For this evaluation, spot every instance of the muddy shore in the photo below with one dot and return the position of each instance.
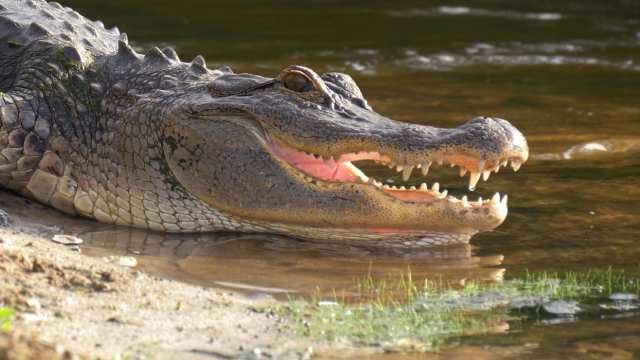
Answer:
(101, 308)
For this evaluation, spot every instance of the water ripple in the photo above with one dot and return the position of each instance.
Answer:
(463, 10)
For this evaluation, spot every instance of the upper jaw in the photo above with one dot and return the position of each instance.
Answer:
(478, 147)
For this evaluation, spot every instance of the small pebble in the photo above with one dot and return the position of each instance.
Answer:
(67, 240)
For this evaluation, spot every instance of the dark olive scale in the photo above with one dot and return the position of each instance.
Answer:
(296, 82)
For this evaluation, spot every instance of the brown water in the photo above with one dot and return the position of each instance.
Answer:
(567, 74)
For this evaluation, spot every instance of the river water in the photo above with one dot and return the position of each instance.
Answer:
(566, 73)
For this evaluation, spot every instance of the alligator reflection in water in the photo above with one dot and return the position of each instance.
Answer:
(257, 263)
(267, 263)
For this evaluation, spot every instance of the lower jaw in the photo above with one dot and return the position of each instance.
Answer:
(379, 237)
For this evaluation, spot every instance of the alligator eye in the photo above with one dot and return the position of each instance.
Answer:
(295, 82)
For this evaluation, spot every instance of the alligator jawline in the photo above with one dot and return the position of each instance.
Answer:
(340, 169)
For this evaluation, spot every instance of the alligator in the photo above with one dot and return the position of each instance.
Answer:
(94, 129)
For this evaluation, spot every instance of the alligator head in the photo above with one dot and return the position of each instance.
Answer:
(156, 143)
(282, 151)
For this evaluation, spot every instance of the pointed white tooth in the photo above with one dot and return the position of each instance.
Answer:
(406, 172)
(394, 188)
(392, 164)
(402, 188)
(473, 180)
(444, 193)
(495, 199)
(497, 169)
(479, 200)
(481, 163)
(504, 200)
(452, 164)
(371, 181)
(326, 159)
(419, 166)
(425, 168)
(358, 180)
(386, 186)
(464, 200)
(399, 168)
(338, 157)
(485, 174)
(516, 164)
(412, 188)
(462, 172)
(496, 164)
(440, 161)
(423, 187)
(435, 187)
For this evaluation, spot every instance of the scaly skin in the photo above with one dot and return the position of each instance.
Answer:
(94, 129)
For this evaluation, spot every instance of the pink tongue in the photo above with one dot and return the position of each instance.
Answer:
(330, 171)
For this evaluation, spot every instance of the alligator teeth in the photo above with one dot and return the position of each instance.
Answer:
(371, 181)
(359, 179)
(481, 163)
(495, 199)
(439, 161)
(496, 164)
(464, 200)
(326, 159)
(480, 200)
(412, 188)
(406, 172)
(452, 164)
(425, 168)
(386, 186)
(504, 200)
(392, 164)
(337, 158)
(444, 193)
(435, 187)
(418, 166)
(515, 164)
(473, 180)
(399, 168)
(423, 187)
(463, 171)
(485, 174)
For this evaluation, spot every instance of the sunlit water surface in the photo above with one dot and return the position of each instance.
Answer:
(567, 74)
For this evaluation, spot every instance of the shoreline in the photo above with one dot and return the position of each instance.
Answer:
(105, 309)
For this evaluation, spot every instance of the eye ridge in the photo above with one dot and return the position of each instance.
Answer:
(296, 82)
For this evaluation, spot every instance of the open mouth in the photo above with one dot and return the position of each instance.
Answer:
(340, 169)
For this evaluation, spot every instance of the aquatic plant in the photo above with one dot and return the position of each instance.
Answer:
(403, 314)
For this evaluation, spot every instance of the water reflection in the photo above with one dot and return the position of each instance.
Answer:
(276, 264)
